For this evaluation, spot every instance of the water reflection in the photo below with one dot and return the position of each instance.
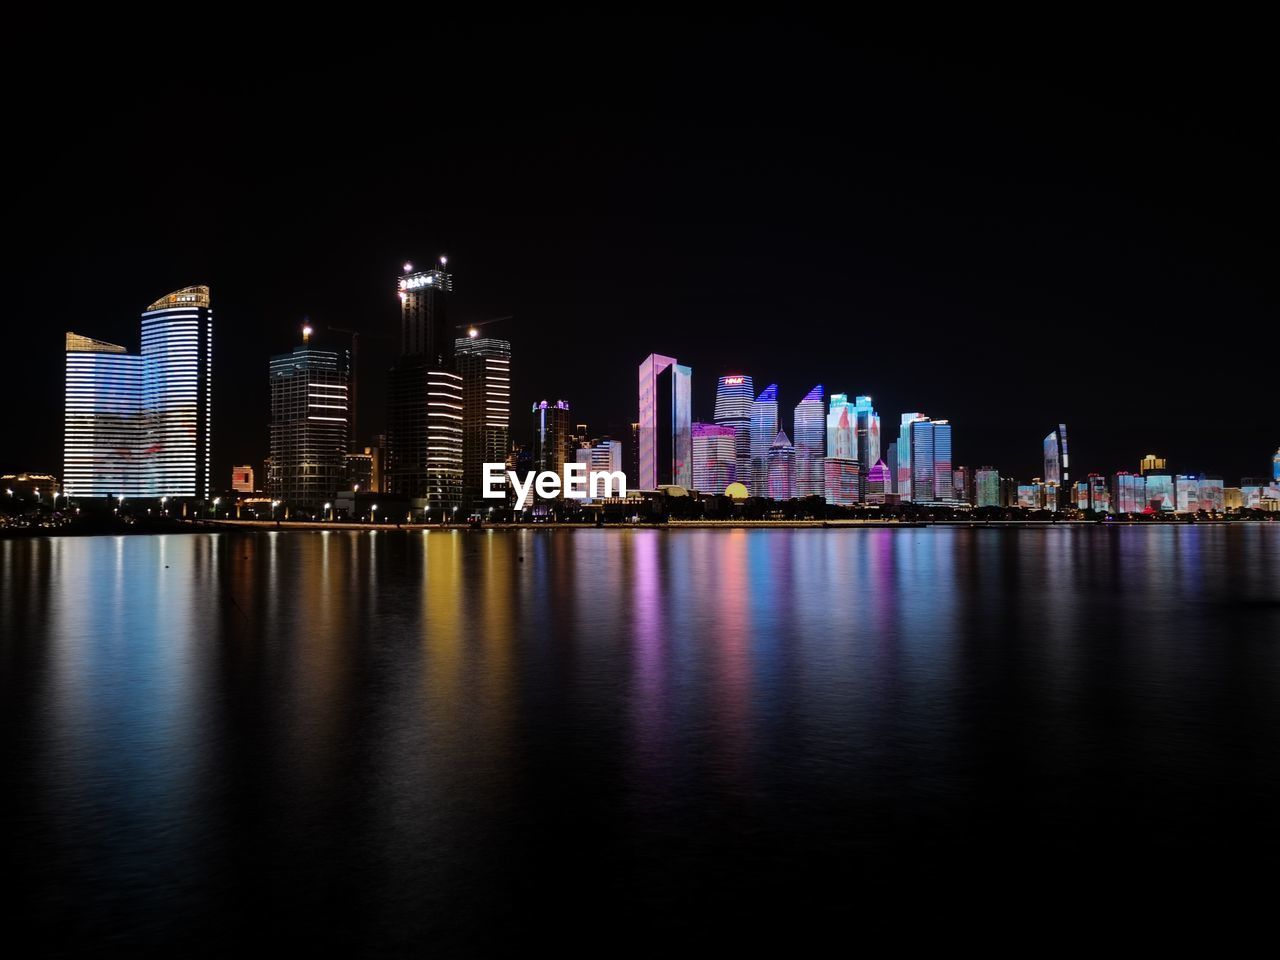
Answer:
(402, 733)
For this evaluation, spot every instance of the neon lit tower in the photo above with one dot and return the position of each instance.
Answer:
(177, 360)
(810, 444)
(840, 469)
(781, 468)
(734, 394)
(102, 433)
(764, 430)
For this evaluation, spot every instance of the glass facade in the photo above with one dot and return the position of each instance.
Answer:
(1160, 493)
(810, 444)
(734, 394)
(666, 443)
(904, 454)
(764, 430)
(1128, 493)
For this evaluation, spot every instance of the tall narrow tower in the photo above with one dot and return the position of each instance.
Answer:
(424, 417)
(485, 366)
(177, 360)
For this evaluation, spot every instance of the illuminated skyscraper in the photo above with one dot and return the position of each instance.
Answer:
(715, 463)
(734, 394)
(764, 430)
(309, 429)
(781, 467)
(1128, 493)
(1056, 461)
(931, 471)
(1275, 467)
(666, 447)
(242, 479)
(102, 433)
(143, 423)
(868, 434)
(425, 408)
(484, 363)
(904, 454)
(552, 436)
(177, 357)
(840, 469)
(987, 487)
(810, 444)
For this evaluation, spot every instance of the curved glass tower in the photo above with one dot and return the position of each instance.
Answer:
(140, 425)
(177, 354)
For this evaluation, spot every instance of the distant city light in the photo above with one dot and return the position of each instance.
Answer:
(408, 267)
(473, 332)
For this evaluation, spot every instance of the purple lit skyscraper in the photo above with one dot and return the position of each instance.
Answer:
(810, 444)
(666, 451)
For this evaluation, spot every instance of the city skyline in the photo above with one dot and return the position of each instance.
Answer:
(870, 254)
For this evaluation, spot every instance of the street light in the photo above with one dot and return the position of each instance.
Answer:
(373, 517)
(163, 501)
(216, 501)
(326, 509)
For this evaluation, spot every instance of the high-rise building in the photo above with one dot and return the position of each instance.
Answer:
(810, 444)
(764, 431)
(425, 409)
(1212, 494)
(1275, 467)
(1056, 463)
(904, 454)
(242, 479)
(1128, 493)
(357, 473)
(666, 417)
(1151, 464)
(987, 487)
(142, 425)
(309, 425)
(868, 434)
(715, 457)
(102, 433)
(891, 461)
(932, 479)
(840, 469)
(734, 394)
(781, 467)
(552, 437)
(962, 483)
(1008, 492)
(177, 386)
(484, 363)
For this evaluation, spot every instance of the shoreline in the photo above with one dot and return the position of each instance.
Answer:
(214, 526)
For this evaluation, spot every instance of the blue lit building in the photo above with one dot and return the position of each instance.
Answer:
(764, 430)
(841, 468)
(142, 425)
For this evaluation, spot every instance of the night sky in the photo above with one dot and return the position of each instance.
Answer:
(1011, 235)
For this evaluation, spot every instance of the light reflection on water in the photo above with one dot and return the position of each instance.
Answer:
(369, 736)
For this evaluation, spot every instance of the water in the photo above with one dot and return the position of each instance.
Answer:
(372, 741)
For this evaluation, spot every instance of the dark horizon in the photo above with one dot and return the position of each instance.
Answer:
(948, 230)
